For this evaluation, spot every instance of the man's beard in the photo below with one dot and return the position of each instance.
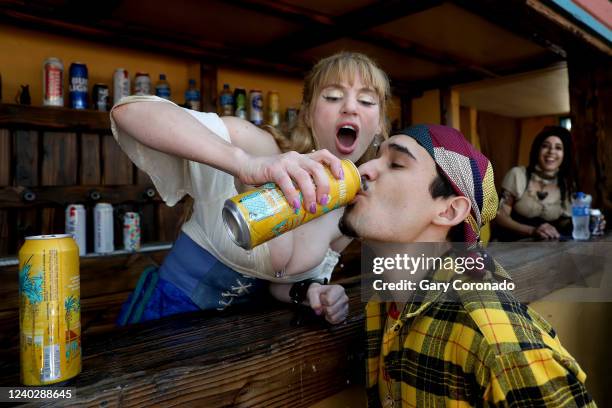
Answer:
(344, 226)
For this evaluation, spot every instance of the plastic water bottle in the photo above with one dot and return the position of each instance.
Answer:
(162, 88)
(192, 96)
(580, 216)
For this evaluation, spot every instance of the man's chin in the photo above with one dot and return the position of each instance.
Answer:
(345, 225)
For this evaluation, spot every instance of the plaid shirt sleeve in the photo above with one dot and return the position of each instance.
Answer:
(537, 377)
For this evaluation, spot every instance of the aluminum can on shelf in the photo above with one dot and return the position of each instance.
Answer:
(241, 103)
(49, 309)
(256, 107)
(78, 85)
(131, 231)
(257, 216)
(273, 109)
(100, 97)
(103, 228)
(76, 225)
(121, 85)
(53, 82)
(142, 84)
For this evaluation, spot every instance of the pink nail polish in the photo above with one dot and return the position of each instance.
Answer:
(325, 199)
(341, 174)
(313, 208)
(296, 204)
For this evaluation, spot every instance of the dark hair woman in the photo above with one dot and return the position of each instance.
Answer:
(535, 200)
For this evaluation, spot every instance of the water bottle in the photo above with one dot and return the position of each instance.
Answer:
(580, 216)
(192, 96)
(162, 88)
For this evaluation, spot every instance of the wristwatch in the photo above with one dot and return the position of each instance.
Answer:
(300, 289)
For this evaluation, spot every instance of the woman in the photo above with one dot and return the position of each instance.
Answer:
(535, 201)
(211, 159)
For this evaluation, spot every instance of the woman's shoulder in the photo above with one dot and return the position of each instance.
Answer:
(515, 180)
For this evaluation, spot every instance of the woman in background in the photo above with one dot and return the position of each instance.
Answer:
(535, 200)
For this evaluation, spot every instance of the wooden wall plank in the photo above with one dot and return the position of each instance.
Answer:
(59, 167)
(118, 168)
(5, 180)
(89, 173)
(148, 231)
(499, 136)
(26, 162)
(169, 221)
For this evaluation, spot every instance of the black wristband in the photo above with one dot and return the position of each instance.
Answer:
(300, 289)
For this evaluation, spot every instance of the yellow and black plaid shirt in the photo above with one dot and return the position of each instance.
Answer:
(475, 348)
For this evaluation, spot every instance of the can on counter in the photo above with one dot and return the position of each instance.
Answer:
(241, 103)
(121, 85)
(100, 97)
(76, 226)
(257, 216)
(597, 221)
(291, 118)
(53, 82)
(142, 84)
(131, 231)
(49, 309)
(256, 107)
(78, 85)
(273, 109)
(103, 228)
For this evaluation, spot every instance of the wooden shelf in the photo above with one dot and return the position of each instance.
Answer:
(53, 118)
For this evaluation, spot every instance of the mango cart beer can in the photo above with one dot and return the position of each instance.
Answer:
(131, 231)
(273, 109)
(49, 309)
(76, 225)
(103, 228)
(257, 216)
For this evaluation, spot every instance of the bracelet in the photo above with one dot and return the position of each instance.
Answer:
(300, 289)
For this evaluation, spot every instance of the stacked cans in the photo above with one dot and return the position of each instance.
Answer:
(103, 228)
(76, 225)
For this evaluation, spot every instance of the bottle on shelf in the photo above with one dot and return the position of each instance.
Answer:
(226, 100)
(162, 87)
(192, 96)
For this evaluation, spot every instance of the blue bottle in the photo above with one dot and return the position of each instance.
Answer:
(162, 88)
(192, 96)
(581, 204)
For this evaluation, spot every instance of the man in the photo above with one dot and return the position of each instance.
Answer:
(429, 184)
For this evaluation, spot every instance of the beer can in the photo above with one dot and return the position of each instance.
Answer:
(256, 107)
(121, 85)
(49, 309)
(596, 222)
(241, 103)
(100, 97)
(76, 225)
(78, 85)
(53, 82)
(142, 84)
(257, 216)
(291, 118)
(103, 228)
(273, 109)
(131, 231)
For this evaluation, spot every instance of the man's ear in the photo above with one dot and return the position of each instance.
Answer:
(454, 211)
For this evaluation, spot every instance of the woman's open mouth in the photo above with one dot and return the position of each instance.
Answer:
(346, 138)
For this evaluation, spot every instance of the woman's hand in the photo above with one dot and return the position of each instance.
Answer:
(306, 170)
(328, 300)
(546, 231)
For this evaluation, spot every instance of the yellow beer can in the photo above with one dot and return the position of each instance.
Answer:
(49, 309)
(257, 216)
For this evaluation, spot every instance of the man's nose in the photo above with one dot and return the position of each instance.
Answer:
(368, 172)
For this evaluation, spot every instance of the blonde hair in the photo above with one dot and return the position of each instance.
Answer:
(331, 70)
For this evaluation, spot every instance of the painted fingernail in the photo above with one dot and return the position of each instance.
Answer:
(296, 204)
(341, 174)
(318, 312)
(313, 208)
(325, 199)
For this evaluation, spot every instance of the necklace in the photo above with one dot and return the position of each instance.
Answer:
(543, 181)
